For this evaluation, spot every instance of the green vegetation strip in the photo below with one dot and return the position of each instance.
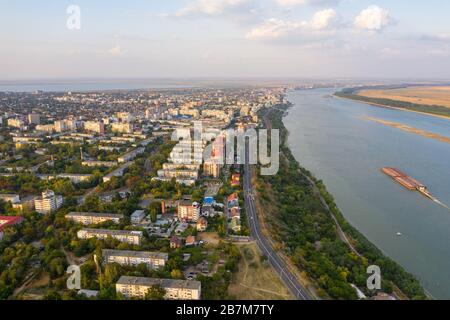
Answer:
(306, 228)
(436, 110)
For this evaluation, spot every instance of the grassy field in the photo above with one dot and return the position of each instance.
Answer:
(256, 280)
(433, 95)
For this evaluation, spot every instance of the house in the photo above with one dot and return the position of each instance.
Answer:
(235, 212)
(137, 216)
(6, 221)
(208, 211)
(153, 260)
(235, 180)
(175, 289)
(202, 224)
(233, 200)
(175, 243)
(190, 240)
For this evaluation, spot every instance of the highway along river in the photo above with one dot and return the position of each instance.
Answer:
(335, 139)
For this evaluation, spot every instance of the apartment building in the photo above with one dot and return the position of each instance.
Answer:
(34, 118)
(188, 211)
(131, 155)
(88, 218)
(48, 202)
(122, 127)
(95, 126)
(131, 237)
(97, 163)
(153, 260)
(175, 289)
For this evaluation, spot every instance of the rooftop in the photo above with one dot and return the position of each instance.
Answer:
(165, 283)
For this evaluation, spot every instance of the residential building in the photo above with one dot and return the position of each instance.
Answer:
(34, 118)
(153, 260)
(175, 242)
(131, 237)
(95, 126)
(88, 218)
(122, 127)
(188, 211)
(96, 163)
(190, 240)
(48, 202)
(13, 198)
(175, 289)
(131, 155)
(6, 221)
(202, 224)
(137, 216)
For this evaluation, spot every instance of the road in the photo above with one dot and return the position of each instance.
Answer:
(278, 264)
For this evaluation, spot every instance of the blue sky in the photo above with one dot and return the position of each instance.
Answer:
(226, 38)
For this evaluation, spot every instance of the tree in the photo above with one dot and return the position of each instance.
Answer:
(156, 292)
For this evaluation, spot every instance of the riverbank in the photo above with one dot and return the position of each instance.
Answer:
(380, 105)
(304, 227)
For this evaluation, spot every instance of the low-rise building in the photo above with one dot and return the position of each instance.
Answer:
(153, 260)
(131, 237)
(88, 218)
(202, 224)
(131, 155)
(137, 216)
(175, 289)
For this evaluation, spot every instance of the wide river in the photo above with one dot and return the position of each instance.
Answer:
(331, 137)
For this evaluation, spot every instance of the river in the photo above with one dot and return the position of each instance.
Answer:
(332, 138)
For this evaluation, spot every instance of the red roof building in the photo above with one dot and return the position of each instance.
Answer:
(6, 221)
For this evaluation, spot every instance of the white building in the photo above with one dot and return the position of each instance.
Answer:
(153, 260)
(137, 216)
(131, 237)
(175, 289)
(122, 127)
(49, 202)
(95, 126)
(13, 198)
(88, 218)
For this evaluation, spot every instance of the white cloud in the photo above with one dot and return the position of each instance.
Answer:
(212, 7)
(277, 28)
(115, 51)
(293, 3)
(323, 19)
(373, 18)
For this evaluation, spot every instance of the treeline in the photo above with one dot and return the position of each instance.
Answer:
(305, 227)
(432, 109)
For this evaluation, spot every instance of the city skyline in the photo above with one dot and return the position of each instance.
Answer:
(226, 39)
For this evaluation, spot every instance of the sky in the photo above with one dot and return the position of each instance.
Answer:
(224, 39)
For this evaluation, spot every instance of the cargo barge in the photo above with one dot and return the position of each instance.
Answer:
(407, 182)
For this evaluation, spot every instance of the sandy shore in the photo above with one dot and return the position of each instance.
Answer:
(409, 129)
